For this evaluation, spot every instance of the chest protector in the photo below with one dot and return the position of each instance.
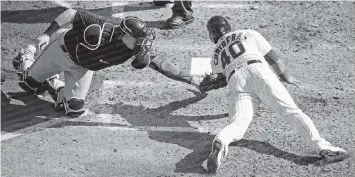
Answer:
(96, 47)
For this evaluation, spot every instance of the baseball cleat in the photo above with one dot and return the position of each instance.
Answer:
(219, 151)
(334, 149)
(331, 156)
(178, 21)
(60, 107)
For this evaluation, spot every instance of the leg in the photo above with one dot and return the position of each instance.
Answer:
(239, 121)
(34, 73)
(241, 108)
(182, 14)
(71, 97)
(270, 90)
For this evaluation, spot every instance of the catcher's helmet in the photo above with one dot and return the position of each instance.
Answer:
(144, 34)
(218, 26)
(136, 27)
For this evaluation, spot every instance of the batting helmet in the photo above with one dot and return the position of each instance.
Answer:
(218, 26)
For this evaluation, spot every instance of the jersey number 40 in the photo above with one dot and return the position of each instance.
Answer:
(234, 52)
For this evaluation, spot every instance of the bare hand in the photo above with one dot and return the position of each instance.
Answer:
(291, 80)
(43, 41)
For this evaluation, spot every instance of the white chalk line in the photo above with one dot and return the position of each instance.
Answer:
(106, 124)
(33, 128)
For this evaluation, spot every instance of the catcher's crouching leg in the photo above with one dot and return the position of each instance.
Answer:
(73, 107)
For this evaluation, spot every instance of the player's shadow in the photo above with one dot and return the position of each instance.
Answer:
(47, 15)
(199, 143)
(161, 117)
(34, 111)
(268, 149)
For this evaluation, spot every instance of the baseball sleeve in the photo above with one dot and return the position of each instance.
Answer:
(263, 45)
(216, 66)
(84, 18)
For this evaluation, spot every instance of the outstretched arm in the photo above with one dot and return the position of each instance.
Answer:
(174, 72)
(279, 67)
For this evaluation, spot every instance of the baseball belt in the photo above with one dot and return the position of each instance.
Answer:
(248, 63)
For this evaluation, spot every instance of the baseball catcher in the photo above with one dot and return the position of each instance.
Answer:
(91, 44)
(242, 58)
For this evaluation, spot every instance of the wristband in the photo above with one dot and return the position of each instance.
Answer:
(52, 28)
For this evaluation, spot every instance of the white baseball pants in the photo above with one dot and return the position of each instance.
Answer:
(256, 83)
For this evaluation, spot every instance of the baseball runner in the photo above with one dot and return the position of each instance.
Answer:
(242, 58)
(91, 44)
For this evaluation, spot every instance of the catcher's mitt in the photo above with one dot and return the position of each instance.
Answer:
(212, 81)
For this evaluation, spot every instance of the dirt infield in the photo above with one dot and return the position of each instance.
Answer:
(140, 123)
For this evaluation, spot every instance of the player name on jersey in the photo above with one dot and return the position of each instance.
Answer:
(225, 42)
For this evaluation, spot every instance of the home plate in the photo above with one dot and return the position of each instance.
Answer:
(200, 66)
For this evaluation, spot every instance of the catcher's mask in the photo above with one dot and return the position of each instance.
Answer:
(138, 29)
(217, 26)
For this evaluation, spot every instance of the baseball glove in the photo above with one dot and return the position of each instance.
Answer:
(212, 81)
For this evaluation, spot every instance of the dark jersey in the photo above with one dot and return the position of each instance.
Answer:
(93, 44)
